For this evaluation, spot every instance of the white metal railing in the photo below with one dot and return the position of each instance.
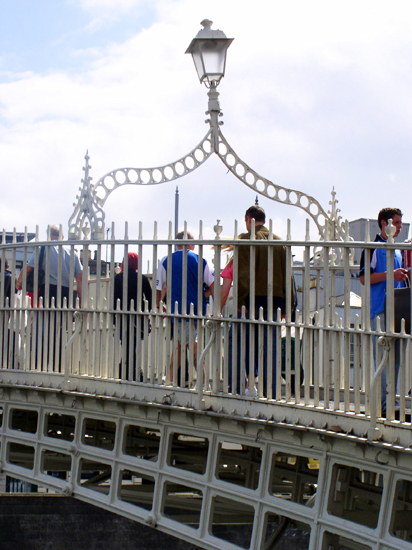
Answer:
(323, 353)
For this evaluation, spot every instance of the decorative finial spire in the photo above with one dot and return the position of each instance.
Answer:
(87, 208)
(217, 229)
(390, 231)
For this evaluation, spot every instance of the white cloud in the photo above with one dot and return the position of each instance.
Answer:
(108, 6)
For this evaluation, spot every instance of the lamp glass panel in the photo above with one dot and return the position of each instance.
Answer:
(214, 54)
(198, 60)
(209, 57)
(214, 59)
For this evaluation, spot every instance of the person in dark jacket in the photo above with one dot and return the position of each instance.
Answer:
(7, 282)
(7, 338)
(134, 320)
(260, 300)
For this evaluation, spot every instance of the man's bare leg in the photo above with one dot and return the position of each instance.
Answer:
(179, 352)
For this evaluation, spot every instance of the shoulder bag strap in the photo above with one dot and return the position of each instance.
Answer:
(7, 288)
(41, 256)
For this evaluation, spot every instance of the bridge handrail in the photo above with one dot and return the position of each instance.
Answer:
(326, 362)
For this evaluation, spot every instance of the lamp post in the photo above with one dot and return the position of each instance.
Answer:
(208, 49)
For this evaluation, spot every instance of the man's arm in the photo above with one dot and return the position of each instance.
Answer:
(147, 291)
(283, 255)
(212, 289)
(158, 298)
(243, 275)
(224, 293)
(399, 275)
(208, 280)
(79, 282)
(161, 282)
(19, 282)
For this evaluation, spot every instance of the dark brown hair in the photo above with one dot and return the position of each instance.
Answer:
(387, 214)
(256, 212)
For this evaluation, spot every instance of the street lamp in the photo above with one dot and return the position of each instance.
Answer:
(208, 50)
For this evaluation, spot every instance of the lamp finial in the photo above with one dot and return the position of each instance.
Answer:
(206, 23)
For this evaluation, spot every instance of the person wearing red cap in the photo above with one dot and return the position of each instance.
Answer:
(132, 282)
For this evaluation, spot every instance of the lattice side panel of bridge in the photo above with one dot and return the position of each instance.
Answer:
(214, 482)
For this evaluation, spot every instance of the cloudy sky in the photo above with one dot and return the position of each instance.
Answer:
(317, 94)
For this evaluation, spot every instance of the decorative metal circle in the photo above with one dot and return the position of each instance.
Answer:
(120, 176)
(92, 198)
(269, 189)
(132, 176)
(152, 176)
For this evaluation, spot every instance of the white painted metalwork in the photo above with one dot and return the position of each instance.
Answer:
(93, 197)
(324, 335)
(69, 407)
(173, 469)
(91, 200)
(95, 393)
(87, 210)
(208, 50)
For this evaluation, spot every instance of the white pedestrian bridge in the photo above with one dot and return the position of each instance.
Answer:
(184, 450)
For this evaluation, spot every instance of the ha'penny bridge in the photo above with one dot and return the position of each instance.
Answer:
(183, 450)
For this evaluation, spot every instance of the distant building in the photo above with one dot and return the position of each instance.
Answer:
(19, 251)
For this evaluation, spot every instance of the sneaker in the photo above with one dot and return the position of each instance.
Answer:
(252, 393)
(396, 411)
(205, 388)
(397, 408)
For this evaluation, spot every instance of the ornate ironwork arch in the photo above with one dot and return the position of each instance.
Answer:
(267, 188)
(92, 198)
